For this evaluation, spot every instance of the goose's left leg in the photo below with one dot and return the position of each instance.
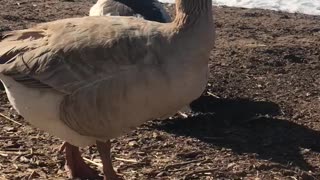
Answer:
(75, 165)
(105, 154)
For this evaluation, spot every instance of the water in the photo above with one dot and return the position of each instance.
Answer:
(311, 7)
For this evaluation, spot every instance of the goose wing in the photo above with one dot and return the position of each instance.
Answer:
(68, 54)
(102, 66)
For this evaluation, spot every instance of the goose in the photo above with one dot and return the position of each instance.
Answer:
(147, 9)
(90, 79)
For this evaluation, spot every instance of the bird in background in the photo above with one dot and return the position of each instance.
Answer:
(151, 10)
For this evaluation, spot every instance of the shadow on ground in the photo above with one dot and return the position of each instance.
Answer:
(246, 126)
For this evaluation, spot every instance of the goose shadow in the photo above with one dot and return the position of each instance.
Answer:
(246, 126)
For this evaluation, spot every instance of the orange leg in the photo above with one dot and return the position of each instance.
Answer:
(105, 154)
(75, 165)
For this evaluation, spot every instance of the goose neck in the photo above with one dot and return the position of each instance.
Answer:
(193, 12)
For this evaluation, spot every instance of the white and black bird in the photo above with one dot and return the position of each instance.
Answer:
(147, 9)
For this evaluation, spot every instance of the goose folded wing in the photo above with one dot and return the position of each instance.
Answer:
(69, 54)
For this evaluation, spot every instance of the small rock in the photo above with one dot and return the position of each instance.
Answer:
(33, 175)
(306, 176)
(305, 151)
(9, 129)
(133, 144)
(24, 159)
(162, 174)
(230, 165)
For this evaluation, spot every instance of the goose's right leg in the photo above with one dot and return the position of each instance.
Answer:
(105, 154)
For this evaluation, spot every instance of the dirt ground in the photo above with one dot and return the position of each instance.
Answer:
(265, 69)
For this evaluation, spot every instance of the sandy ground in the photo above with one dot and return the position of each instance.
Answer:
(265, 69)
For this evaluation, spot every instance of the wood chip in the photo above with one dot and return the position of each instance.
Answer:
(4, 155)
(15, 166)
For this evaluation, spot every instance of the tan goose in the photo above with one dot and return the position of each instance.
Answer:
(147, 9)
(87, 80)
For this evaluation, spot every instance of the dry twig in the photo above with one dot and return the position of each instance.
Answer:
(9, 119)
(176, 165)
(126, 160)
(14, 152)
(32, 175)
(9, 137)
(119, 159)
(213, 95)
(199, 172)
(182, 114)
(92, 162)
